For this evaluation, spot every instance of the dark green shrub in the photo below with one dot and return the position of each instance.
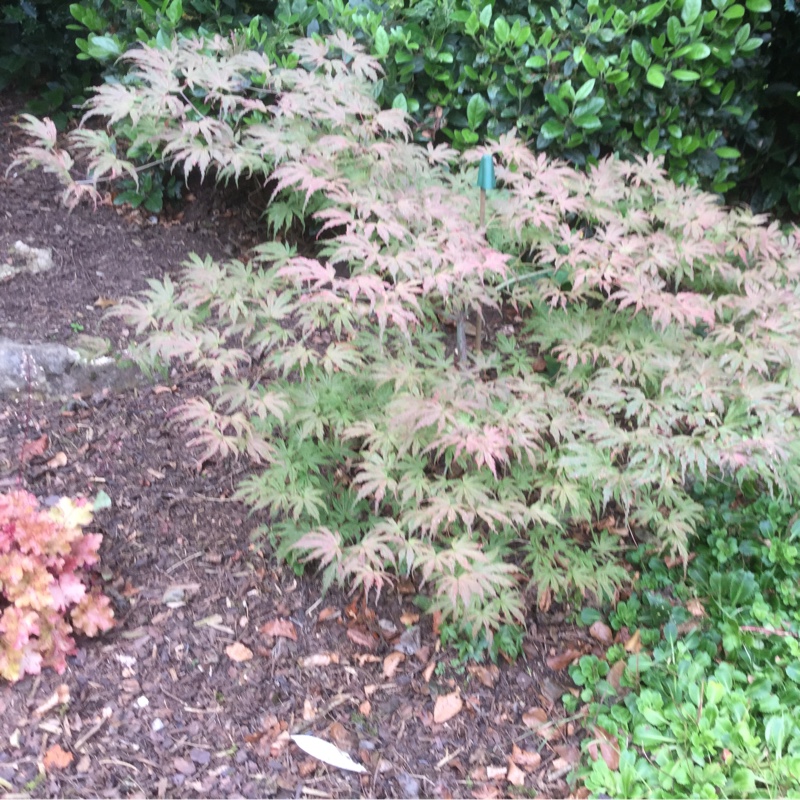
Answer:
(579, 79)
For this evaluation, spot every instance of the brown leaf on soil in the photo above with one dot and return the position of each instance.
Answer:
(428, 671)
(59, 698)
(570, 753)
(605, 746)
(58, 460)
(545, 600)
(279, 627)
(516, 777)
(341, 737)
(366, 658)
(695, 608)
(494, 773)
(409, 618)
(362, 638)
(105, 302)
(600, 631)
(34, 448)
(365, 708)
(447, 706)
(318, 660)
(634, 644)
(562, 660)
(529, 760)
(238, 652)
(329, 612)
(57, 757)
(486, 675)
(538, 721)
(436, 619)
(615, 674)
(391, 663)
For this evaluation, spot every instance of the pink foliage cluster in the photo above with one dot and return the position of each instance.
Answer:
(42, 596)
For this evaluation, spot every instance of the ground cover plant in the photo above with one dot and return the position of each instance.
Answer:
(643, 338)
(708, 709)
(42, 593)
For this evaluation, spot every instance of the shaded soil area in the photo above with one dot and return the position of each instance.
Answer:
(220, 653)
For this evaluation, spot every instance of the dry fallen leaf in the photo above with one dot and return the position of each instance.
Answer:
(539, 722)
(606, 746)
(327, 752)
(59, 698)
(365, 708)
(362, 638)
(391, 663)
(428, 671)
(486, 675)
(695, 608)
(279, 627)
(529, 760)
(318, 660)
(409, 618)
(615, 674)
(562, 660)
(447, 706)
(516, 777)
(329, 612)
(600, 631)
(105, 302)
(32, 449)
(238, 652)
(57, 758)
(634, 644)
(58, 460)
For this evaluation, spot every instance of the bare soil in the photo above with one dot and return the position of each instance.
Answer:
(163, 706)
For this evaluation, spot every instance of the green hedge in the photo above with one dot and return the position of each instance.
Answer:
(578, 78)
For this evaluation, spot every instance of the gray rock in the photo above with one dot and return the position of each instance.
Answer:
(25, 258)
(54, 370)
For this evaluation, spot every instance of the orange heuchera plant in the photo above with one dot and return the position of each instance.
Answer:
(41, 554)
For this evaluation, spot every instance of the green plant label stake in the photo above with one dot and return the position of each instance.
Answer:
(486, 181)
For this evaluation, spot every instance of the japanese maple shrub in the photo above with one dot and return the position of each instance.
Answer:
(643, 338)
(43, 598)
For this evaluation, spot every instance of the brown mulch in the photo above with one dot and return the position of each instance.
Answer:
(163, 706)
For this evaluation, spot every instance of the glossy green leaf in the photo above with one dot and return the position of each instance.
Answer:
(727, 152)
(734, 12)
(557, 104)
(691, 11)
(584, 90)
(381, 42)
(673, 30)
(486, 16)
(502, 30)
(759, 6)
(655, 76)
(640, 54)
(685, 74)
(476, 111)
(553, 128)
(588, 122)
(401, 102)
